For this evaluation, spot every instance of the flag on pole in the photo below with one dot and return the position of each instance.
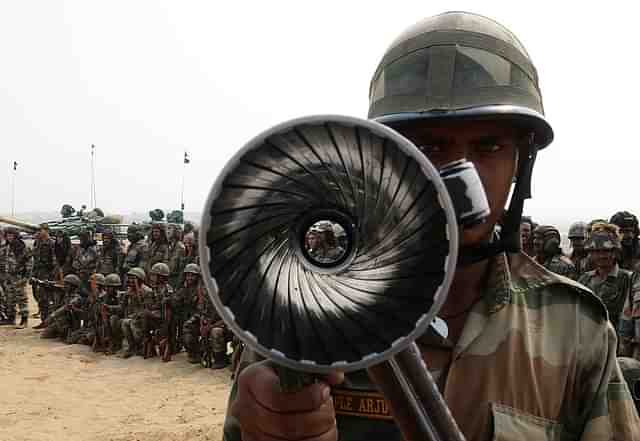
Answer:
(186, 158)
(15, 165)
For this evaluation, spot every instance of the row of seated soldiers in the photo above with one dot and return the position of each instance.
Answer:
(54, 258)
(606, 259)
(145, 319)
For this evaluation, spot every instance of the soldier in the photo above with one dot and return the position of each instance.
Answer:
(608, 281)
(176, 256)
(526, 236)
(577, 236)
(85, 258)
(110, 256)
(132, 304)
(45, 267)
(322, 243)
(157, 311)
(108, 329)
(66, 319)
(64, 253)
(204, 323)
(630, 252)
(461, 85)
(546, 245)
(19, 267)
(86, 334)
(135, 251)
(190, 250)
(4, 253)
(157, 249)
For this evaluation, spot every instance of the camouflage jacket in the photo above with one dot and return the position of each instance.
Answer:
(536, 360)
(4, 256)
(110, 259)
(561, 265)
(19, 261)
(581, 263)
(155, 252)
(134, 256)
(133, 304)
(613, 290)
(196, 301)
(44, 259)
(85, 261)
(176, 260)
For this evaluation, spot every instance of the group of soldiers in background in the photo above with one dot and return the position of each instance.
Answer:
(605, 257)
(146, 299)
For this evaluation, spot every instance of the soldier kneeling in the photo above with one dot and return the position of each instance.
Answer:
(132, 325)
(68, 317)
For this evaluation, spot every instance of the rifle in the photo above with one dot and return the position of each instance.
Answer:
(166, 319)
(55, 286)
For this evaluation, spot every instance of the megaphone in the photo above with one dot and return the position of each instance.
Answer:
(330, 242)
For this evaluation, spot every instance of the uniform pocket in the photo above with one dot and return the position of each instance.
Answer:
(511, 424)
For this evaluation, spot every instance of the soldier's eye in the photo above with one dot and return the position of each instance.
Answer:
(490, 147)
(430, 149)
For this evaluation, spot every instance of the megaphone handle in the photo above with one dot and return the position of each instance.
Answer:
(293, 381)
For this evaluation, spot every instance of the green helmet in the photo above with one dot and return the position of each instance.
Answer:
(137, 272)
(192, 268)
(99, 279)
(602, 240)
(624, 219)
(458, 65)
(578, 230)
(73, 280)
(160, 269)
(113, 280)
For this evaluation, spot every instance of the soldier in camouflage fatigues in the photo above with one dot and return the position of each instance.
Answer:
(110, 255)
(529, 354)
(204, 323)
(546, 243)
(86, 334)
(132, 306)
(68, 318)
(157, 250)
(135, 252)
(19, 267)
(64, 252)
(108, 325)
(176, 256)
(579, 256)
(45, 267)
(85, 259)
(608, 281)
(157, 306)
(629, 253)
(4, 252)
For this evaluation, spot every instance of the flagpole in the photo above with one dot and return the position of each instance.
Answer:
(13, 189)
(93, 178)
(184, 171)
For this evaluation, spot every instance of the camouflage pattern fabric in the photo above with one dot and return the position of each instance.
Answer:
(110, 259)
(156, 252)
(134, 256)
(176, 263)
(561, 265)
(629, 325)
(581, 263)
(45, 267)
(613, 290)
(85, 262)
(542, 356)
(19, 268)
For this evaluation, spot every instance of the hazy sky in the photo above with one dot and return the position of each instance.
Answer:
(145, 80)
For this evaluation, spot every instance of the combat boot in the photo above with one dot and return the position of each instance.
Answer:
(194, 357)
(219, 360)
(24, 322)
(41, 325)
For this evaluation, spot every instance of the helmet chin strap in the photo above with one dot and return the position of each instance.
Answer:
(509, 238)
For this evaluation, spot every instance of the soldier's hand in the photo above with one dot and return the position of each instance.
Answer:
(267, 414)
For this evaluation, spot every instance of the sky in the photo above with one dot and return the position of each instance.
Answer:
(144, 81)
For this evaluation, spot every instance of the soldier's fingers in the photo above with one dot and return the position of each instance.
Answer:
(296, 425)
(253, 434)
(261, 381)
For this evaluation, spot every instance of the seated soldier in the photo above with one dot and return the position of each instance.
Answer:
(204, 324)
(85, 335)
(132, 304)
(157, 313)
(107, 324)
(67, 318)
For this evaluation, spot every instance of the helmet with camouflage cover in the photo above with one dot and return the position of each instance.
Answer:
(578, 230)
(458, 66)
(160, 269)
(113, 279)
(99, 279)
(137, 272)
(192, 268)
(603, 237)
(73, 280)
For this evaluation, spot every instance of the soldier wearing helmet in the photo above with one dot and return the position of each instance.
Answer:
(107, 326)
(68, 317)
(204, 331)
(608, 281)
(459, 85)
(177, 253)
(629, 254)
(110, 256)
(577, 237)
(135, 252)
(546, 245)
(132, 304)
(157, 249)
(45, 267)
(19, 264)
(158, 320)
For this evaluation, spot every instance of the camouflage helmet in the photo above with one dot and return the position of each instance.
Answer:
(546, 231)
(192, 268)
(113, 279)
(73, 280)
(603, 237)
(458, 65)
(578, 230)
(624, 219)
(99, 279)
(137, 272)
(160, 269)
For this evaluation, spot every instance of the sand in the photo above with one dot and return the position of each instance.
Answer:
(51, 391)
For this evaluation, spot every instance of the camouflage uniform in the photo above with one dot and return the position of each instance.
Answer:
(85, 262)
(156, 251)
(132, 325)
(19, 266)
(4, 254)
(65, 320)
(561, 265)
(110, 308)
(548, 253)
(176, 262)
(45, 267)
(134, 256)
(110, 258)
(550, 330)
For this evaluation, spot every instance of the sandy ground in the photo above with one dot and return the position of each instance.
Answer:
(51, 391)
